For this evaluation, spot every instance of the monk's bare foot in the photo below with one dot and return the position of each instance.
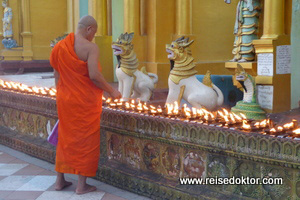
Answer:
(86, 189)
(61, 185)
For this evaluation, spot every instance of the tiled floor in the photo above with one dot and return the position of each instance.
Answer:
(27, 178)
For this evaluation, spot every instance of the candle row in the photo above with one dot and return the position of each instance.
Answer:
(220, 118)
(22, 88)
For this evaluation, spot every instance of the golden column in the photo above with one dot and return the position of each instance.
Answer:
(274, 36)
(183, 17)
(143, 8)
(99, 12)
(70, 16)
(26, 32)
(273, 19)
(132, 16)
(109, 17)
(76, 13)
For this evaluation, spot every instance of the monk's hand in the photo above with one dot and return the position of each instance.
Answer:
(115, 94)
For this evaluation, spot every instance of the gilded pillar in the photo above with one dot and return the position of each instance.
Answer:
(99, 12)
(273, 36)
(183, 17)
(70, 16)
(26, 32)
(109, 17)
(132, 16)
(273, 19)
(76, 13)
(143, 17)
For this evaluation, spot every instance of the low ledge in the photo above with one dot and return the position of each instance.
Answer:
(36, 147)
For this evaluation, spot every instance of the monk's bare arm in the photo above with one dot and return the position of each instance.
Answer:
(56, 76)
(94, 73)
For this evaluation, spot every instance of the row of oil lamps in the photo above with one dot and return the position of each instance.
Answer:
(22, 88)
(220, 118)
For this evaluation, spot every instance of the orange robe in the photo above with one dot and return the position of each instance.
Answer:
(79, 106)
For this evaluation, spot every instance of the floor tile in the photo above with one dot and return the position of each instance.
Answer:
(29, 170)
(14, 182)
(17, 161)
(9, 169)
(141, 198)
(89, 196)
(69, 188)
(47, 172)
(125, 194)
(4, 194)
(111, 197)
(28, 195)
(38, 183)
(5, 158)
(55, 195)
(108, 188)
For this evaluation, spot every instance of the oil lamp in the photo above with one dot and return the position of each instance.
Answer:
(159, 110)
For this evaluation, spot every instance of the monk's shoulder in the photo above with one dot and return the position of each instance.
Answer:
(93, 48)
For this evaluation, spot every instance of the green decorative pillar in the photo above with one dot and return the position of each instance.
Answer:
(117, 25)
(295, 41)
(83, 8)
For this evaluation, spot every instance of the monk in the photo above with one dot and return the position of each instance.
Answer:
(80, 85)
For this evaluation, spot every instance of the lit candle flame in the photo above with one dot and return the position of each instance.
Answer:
(297, 131)
(246, 126)
(188, 114)
(127, 105)
(257, 124)
(288, 125)
(232, 118)
(225, 111)
(221, 114)
(152, 107)
(194, 111)
(238, 118)
(108, 100)
(273, 130)
(263, 123)
(280, 128)
(243, 116)
(159, 109)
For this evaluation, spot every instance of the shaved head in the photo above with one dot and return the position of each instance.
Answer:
(86, 21)
(87, 27)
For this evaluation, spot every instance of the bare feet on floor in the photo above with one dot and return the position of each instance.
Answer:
(86, 189)
(61, 185)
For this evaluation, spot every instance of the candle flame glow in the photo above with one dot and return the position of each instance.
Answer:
(297, 131)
